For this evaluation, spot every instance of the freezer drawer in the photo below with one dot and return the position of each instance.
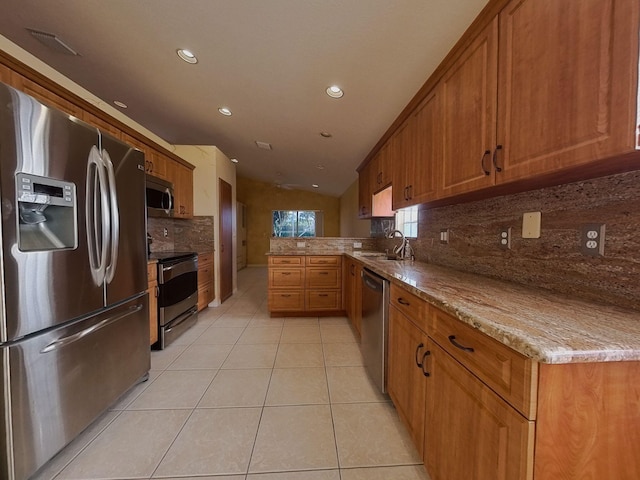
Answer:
(65, 378)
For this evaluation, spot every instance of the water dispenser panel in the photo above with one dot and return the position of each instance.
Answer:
(47, 213)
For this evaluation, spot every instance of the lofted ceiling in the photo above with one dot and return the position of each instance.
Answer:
(268, 61)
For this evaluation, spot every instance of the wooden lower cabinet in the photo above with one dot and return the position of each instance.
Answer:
(470, 432)
(152, 290)
(205, 280)
(305, 284)
(407, 382)
(352, 289)
(492, 414)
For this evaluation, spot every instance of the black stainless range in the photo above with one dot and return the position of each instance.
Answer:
(177, 296)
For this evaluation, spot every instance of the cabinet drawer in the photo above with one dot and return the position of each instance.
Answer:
(323, 277)
(205, 259)
(292, 261)
(286, 278)
(205, 274)
(320, 260)
(205, 295)
(324, 300)
(508, 373)
(286, 301)
(413, 307)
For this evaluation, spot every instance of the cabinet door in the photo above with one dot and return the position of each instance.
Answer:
(469, 90)
(153, 312)
(183, 189)
(567, 73)
(381, 168)
(45, 96)
(103, 125)
(470, 432)
(401, 156)
(5, 74)
(407, 382)
(364, 192)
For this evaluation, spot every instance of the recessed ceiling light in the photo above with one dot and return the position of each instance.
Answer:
(263, 145)
(187, 55)
(334, 91)
(326, 134)
(234, 160)
(225, 111)
(315, 185)
(120, 104)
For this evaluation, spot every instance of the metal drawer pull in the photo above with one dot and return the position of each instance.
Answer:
(323, 273)
(285, 295)
(402, 301)
(424, 361)
(484, 170)
(323, 295)
(452, 339)
(285, 273)
(495, 158)
(418, 351)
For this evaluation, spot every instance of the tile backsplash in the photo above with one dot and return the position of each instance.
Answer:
(554, 261)
(193, 234)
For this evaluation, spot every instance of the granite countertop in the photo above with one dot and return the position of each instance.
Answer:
(547, 327)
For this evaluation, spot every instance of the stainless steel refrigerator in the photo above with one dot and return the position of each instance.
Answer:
(74, 322)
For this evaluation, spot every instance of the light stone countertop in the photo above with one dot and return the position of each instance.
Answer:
(547, 327)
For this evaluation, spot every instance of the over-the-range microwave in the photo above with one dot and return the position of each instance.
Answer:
(159, 197)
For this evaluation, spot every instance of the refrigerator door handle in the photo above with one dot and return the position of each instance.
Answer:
(64, 341)
(114, 216)
(96, 177)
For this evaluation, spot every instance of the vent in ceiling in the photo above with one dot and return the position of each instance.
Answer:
(53, 42)
(263, 145)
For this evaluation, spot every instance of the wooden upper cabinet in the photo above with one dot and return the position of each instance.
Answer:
(469, 90)
(45, 96)
(183, 189)
(364, 192)
(5, 74)
(567, 70)
(159, 165)
(417, 155)
(103, 125)
(380, 170)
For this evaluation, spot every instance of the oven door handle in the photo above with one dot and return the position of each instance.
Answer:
(182, 318)
(171, 271)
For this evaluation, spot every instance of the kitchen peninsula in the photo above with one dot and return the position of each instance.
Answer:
(529, 383)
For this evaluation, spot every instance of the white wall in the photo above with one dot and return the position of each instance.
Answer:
(350, 225)
(211, 165)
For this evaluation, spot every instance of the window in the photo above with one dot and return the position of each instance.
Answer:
(297, 223)
(407, 221)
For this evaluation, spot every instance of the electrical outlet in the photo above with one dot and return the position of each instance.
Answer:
(505, 238)
(592, 239)
(444, 236)
(302, 244)
(357, 244)
(165, 232)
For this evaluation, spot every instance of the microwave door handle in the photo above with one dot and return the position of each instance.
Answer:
(114, 216)
(170, 199)
(95, 179)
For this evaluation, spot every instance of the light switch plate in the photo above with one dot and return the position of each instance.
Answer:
(357, 244)
(531, 225)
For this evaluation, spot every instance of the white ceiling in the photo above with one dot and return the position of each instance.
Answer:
(269, 61)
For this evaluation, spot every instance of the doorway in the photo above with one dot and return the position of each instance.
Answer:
(241, 233)
(226, 241)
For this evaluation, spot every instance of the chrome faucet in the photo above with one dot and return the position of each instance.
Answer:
(403, 250)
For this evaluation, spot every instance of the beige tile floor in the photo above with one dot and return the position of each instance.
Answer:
(241, 396)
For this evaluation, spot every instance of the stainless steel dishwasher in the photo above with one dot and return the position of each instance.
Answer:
(375, 327)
